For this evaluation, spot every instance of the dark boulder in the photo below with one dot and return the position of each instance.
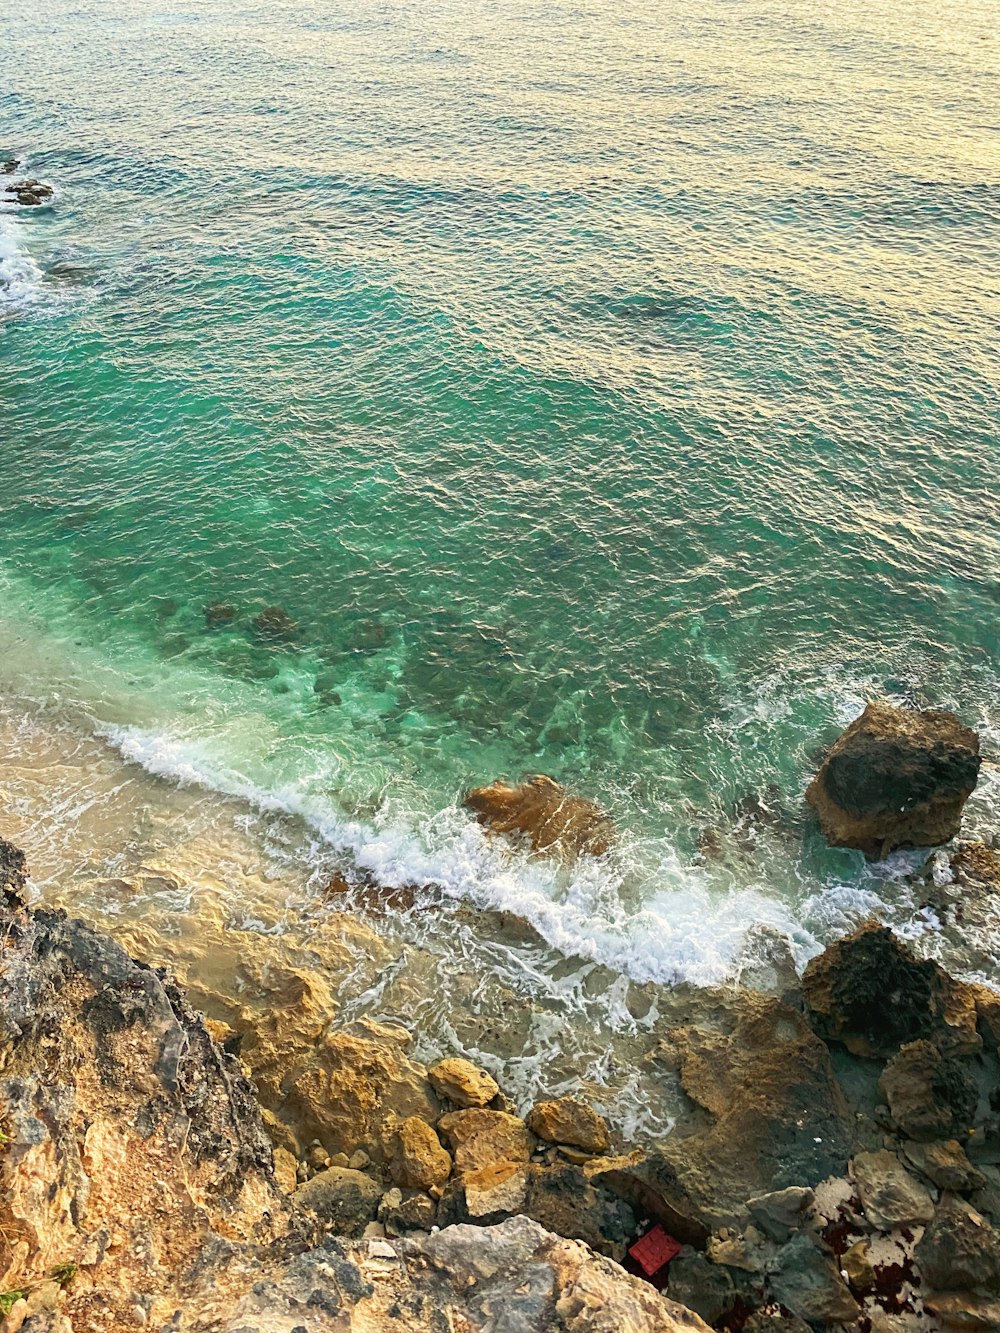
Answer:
(930, 1095)
(275, 624)
(219, 614)
(896, 779)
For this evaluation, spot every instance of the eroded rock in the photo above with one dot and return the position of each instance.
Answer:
(569, 1120)
(418, 1160)
(481, 1138)
(545, 813)
(890, 1196)
(894, 779)
(462, 1083)
(930, 1096)
(347, 1199)
(959, 1250)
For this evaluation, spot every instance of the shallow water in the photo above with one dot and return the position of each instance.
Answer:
(604, 391)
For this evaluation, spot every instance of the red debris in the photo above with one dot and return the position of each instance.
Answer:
(654, 1251)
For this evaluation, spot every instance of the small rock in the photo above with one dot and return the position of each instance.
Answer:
(340, 1159)
(11, 165)
(857, 1266)
(930, 1096)
(702, 1286)
(496, 1191)
(808, 1283)
(345, 1198)
(890, 1196)
(359, 1160)
(569, 1120)
(781, 1212)
(285, 1170)
(481, 1138)
(418, 1160)
(462, 1083)
(959, 1249)
(318, 1158)
(946, 1164)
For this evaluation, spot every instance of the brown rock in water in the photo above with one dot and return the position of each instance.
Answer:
(462, 1083)
(482, 1138)
(218, 614)
(545, 813)
(872, 993)
(569, 1120)
(896, 779)
(418, 1160)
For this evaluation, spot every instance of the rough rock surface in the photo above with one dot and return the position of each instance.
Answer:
(418, 1160)
(779, 1115)
(551, 818)
(512, 1278)
(133, 1143)
(930, 1096)
(569, 1120)
(462, 1083)
(482, 1138)
(347, 1199)
(894, 779)
(870, 992)
(890, 1196)
(959, 1250)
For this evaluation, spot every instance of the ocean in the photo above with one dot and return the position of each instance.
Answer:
(604, 390)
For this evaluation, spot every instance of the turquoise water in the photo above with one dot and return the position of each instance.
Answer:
(605, 390)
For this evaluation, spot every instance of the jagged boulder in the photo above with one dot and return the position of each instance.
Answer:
(871, 992)
(544, 813)
(895, 779)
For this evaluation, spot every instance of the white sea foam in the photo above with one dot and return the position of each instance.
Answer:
(20, 276)
(684, 931)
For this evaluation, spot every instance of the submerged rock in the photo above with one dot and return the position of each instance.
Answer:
(545, 813)
(896, 779)
(275, 623)
(218, 614)
(29, 193)
(10, 166)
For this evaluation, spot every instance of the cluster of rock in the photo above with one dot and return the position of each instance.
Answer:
(29, 193)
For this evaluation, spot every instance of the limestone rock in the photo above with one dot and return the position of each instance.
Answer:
(285, 1170)
(347, 1199)
(889, 1195)
(569, 1120)
(946, 1164)
(959, 1250)
(564, 1201)
(496, 1191)
(960, 1311)
(462, 1083)
(872, 993)
(808, 1282)
(481, 1138)
(759, 1071)
(781, 1212)
(418, 1160)
(930, 1096)
(700, 1285)
(543, 812)
(894, 779)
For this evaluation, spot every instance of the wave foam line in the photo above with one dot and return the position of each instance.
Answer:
(683, 932)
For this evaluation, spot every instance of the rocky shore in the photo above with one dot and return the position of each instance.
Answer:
(835, 1165)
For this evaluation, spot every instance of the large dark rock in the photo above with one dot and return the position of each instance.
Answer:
(930, 1095)
(872, 993)
(959, 1250)
(347, 1199)
(896, 779)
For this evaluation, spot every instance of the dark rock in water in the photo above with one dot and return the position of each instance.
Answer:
(29, 193)
(808, 1283)
(10, 166)
(218, 614)
(896, 779)
(275, 623)
(930, 1095)
(549, 816)
(871, 993)
(347, 1199)
(959, 1250)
